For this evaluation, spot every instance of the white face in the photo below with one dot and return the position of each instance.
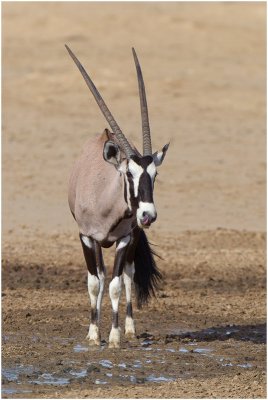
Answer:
(141, 176)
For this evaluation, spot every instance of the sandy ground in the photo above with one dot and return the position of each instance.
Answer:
(204, 69)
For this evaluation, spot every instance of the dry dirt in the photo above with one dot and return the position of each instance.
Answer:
(204, 69)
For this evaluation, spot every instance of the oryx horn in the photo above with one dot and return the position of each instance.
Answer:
(123, 142)
(147, 145)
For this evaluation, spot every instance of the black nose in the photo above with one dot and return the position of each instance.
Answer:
(147, 218)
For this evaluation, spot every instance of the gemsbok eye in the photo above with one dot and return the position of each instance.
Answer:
(129, 174)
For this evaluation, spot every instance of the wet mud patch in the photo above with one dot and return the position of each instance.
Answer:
(253, 333)
(150, 360)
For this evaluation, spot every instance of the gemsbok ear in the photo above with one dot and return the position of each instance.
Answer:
(159, 156)
(111, 153)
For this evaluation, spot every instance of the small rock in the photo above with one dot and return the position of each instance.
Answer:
(93, 368)
(67, 370)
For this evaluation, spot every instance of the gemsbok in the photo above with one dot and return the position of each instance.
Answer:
(111, 198)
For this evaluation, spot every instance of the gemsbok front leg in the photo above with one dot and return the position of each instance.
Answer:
(115, 288)
(128, 276)
(96, 279)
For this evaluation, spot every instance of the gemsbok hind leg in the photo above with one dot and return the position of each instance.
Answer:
(115, 289)
(96, 279)
(101, 274)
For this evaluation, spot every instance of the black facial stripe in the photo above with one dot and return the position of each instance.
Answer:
(125, 191)
(145, 188)
(128, 181)
(143, 161)
(133, 199)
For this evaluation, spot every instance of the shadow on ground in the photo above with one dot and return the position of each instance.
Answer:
(253, 333)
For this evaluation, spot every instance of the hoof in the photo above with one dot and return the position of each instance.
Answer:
(93, 342)
(114, 345)
(130, 335)
(130, 328)
(93, 336)
(114, 338)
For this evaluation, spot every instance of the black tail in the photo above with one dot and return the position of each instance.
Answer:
(147, 276)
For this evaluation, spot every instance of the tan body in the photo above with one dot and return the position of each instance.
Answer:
(96, 195)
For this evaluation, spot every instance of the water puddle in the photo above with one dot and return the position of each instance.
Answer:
(12, 374)
(14, 391)
(79, 374)
(147, 342)
(202, 350)
(130, 378)
(78, 348)
(231, 331)
(63, 340)
(153, 378)
(100, 382)
(183, 350)
(106, 363)
(149, 362)
(171, 350)
(50, 379)
(227, 364)
(122, 365)
(137, 364)
(246, 365)
(28, 375)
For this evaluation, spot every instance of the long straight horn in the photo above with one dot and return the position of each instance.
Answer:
(123, 142)
(147, 145)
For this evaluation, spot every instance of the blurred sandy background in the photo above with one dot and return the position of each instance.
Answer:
(204, 70)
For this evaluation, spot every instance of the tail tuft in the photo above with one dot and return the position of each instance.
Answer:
(147, 277)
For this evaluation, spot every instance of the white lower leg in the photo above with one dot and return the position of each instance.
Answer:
(100, 295)
(130, 327)
(93, 291)
(115, 291)
(128, 275)
(93, 334)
